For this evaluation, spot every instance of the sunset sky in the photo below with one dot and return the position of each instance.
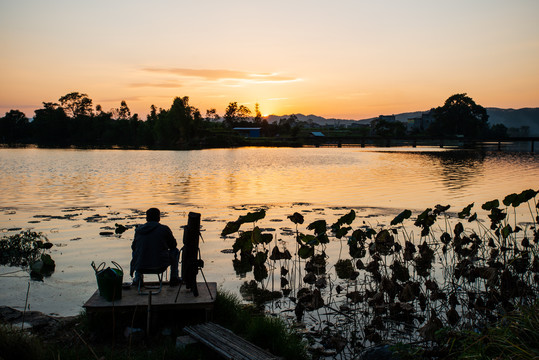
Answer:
(350, 59)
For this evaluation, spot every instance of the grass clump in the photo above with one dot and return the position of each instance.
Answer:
(515, 336)
(270, 333)
(16, 344)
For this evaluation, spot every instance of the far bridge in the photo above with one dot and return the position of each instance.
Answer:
(415, 141)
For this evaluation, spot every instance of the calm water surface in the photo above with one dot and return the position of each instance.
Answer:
(74, 195)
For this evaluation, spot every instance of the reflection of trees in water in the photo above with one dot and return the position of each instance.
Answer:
(458, 169)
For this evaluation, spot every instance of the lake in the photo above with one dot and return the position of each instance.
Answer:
(74, 196)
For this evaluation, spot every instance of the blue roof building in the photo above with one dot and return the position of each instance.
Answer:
(248, 131)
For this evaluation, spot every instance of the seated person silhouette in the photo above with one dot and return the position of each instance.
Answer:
(154, 247)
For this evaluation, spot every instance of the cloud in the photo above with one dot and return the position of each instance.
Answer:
(227, 76)
(166, 85)
(119, 100)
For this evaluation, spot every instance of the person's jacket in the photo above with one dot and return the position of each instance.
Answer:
(151, 246)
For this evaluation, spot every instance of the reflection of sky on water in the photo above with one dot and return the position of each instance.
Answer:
(223, 184)
(458, 169)
(226, 177)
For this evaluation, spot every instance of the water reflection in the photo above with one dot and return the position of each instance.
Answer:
(100, 188)
(225, 177)
(458, 169)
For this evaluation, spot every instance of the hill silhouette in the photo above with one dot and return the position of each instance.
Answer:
(511, 118)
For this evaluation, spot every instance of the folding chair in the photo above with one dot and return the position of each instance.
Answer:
(151, 271)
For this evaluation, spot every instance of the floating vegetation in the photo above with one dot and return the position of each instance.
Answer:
(27, 250)
(120, 229)
(95, 218)
(394, 285)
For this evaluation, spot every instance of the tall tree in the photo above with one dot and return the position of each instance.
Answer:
(124, 112)
(177, 126)
(258, 115)
(51, 126)
(231, 114)
(460, 115)
(211, 115)
(236, 115)
(243, 112)
(76, 104)
(14, 127)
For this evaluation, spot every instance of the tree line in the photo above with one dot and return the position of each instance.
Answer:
(73, 121)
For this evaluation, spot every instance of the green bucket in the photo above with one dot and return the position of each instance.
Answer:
(109, 281)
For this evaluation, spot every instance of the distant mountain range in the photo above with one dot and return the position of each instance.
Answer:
(511, 118)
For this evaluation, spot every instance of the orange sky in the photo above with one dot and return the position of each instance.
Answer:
(349, 59)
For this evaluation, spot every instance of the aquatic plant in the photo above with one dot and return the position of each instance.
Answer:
(251, 246)
(27, 250)
(394, 287)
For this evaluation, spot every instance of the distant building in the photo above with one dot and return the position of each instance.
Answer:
(421, 123)
(253, 132)
(386, 118)
(390, 118)
(521, 131)
(363, 128)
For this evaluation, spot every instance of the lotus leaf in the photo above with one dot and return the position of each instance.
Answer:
(347, 219)
(258, 237)
(527, 195)
(356, 250)
(400, 272)
(495, 216)
(244, 264)
(489, 205)
(384, 242)
(323, 238)
(260, 272)
(401, 217)
(276, 254)
(252, 217)
(342, 232)
(260, 258)
(438, 209)
(355, 297)
(296, 218)
(425, 220)
(319, 226)
(344, 268)
(309, 239)
(459, 229)
(466, 211)
(511, 199)
(244, 242)
(445, 238)
(230, 228)
(305, 252)
(310, 278)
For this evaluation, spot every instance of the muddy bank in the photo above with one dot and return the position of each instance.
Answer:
(45, 326)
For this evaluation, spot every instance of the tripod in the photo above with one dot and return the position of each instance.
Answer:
(192, 285)
(192, 261)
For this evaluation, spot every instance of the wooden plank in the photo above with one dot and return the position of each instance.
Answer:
(226, 343)
(237, 347)
(131, 298)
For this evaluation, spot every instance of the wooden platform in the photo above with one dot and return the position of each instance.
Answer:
(165, 300)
